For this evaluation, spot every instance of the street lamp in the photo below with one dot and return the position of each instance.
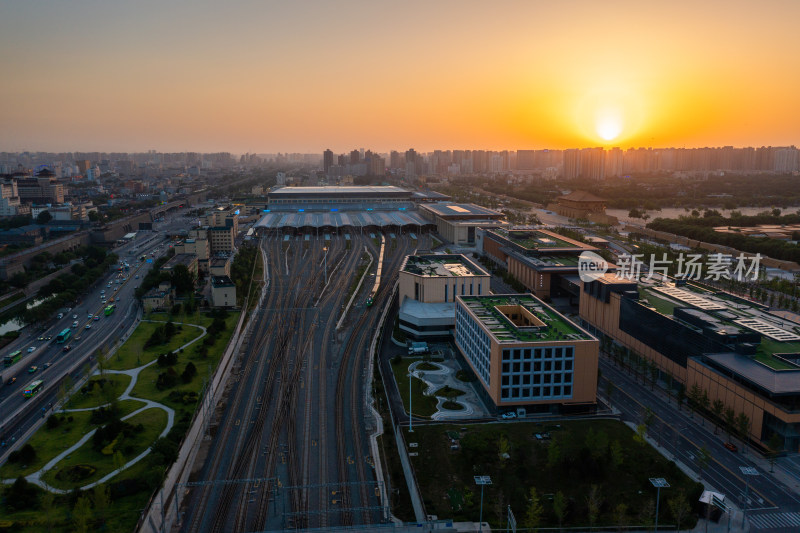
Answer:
(325, 259)
(410, 417)
(747, 471)
(482, 480)
(658, 483)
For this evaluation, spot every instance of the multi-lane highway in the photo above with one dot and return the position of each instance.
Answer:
(294, 416)
(89, 333)
(682, 435)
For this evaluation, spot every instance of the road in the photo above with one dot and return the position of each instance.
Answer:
(19, 415)
(294, 417)
(682, 435)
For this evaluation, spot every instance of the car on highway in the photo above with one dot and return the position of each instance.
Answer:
(12, 380)
(66, 348)
(731, 446)
(60, 316)
(96, 318)
(88, 326)
(33, 369)
(74, 317)
(90, 315)
(75, 324)
(137, 276)
(103, 291)
(32, 349)
(40, 338)
(48, 365)
(508, 416)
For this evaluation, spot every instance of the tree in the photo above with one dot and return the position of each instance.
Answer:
(553, 454)
(679, 507)
(102, 500)
(560, 507)
(21, 495)
(641, 434)
(593, 503)
(617, 455)
(94, 216)
(44, 217)
(610, 388)
(533, 515)
(64, 389)
(743, 427)
(182, 279)
(775, 445)
(717, 407)
(695, 393)
(621, 516)
(730, 420)
(82, 513)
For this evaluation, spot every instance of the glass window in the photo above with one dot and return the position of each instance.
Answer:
(526, 353)
(568, 378)
(515, 380)
(548, 353)
(557, 365)
(516, 367)
(504, 393)
(547, 378)
(567, 390)
(558, 352)
(506, 355)
(526, 366)
(515, 392)
(516, 353)
(537, 367)
(569, 352)
(537, 379)
(546, 391)
(537, 391)
(556, 391)
(556, 378)
(526, 379)
(567, 365)
(548, 366)
(505, 380)
(506, 367)
(537, 353)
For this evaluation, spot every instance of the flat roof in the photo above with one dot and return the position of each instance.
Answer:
(340, 191)
(442, 266)
(540, 240)
(339, 219)
(179, 259)
(429, 311)
(554, 326)
(776, 382)
(222, 281)
(461, 210)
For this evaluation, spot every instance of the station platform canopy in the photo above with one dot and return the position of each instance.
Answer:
(355, 219)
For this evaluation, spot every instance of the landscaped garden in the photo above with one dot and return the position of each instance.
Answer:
(576, 474)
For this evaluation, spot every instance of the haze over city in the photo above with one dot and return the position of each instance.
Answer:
(299, 77)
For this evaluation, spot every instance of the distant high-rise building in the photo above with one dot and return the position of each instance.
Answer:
(613, 162)
(355, 157)
(83, 165)
(526, 159)
(593, 163)
(572, 164)
(327, 160)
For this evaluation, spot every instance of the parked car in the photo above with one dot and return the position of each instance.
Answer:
(508, 416)
(731, 446)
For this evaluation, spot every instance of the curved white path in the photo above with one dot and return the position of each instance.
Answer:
(36, 477)
(443, 375)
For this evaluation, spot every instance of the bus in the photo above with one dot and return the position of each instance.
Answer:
(32, 388)
(109, 309)
(64, 335)
(12, 358)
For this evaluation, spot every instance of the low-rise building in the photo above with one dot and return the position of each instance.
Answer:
(458, 223)
(428, 286)
(545, 262)
(220, 266)
(223, 292)
(526, 354)
(187, 260)
(158, 298)
(731, 349)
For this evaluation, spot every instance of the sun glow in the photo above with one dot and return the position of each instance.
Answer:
(608, 124)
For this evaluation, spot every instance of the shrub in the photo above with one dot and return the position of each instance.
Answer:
(167, 380)
(25, 455)
(189, 372)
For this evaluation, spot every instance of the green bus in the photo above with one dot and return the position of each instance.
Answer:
(12, 358)
(110, 309)
(64, 335)
(32, 388)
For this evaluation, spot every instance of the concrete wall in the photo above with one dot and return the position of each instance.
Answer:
(431, 289)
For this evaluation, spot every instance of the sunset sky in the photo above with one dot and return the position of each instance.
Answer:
(258, 76)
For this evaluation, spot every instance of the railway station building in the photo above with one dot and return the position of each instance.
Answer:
(428, 286)
(732, 349)
(545, 262)
(526, 354)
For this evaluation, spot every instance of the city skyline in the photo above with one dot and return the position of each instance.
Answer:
(283, 78)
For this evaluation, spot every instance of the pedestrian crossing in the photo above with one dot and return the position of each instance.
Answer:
(775, 520)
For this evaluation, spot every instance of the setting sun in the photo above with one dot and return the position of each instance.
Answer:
(608, 124)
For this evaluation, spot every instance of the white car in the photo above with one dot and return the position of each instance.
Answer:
(508, 416)
(32, 349)
(103, 291)
(74, 317)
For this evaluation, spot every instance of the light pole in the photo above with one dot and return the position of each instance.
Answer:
(658, 483)
(325, 259)
(747, 471)
(482, 481)
(410, 418)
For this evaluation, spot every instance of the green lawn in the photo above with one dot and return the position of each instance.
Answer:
(133, 353)
(153, 420)
(448, 490)
(422, 406)
(50, 442)
(425, 366)
(113, 384)
(449, 392)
